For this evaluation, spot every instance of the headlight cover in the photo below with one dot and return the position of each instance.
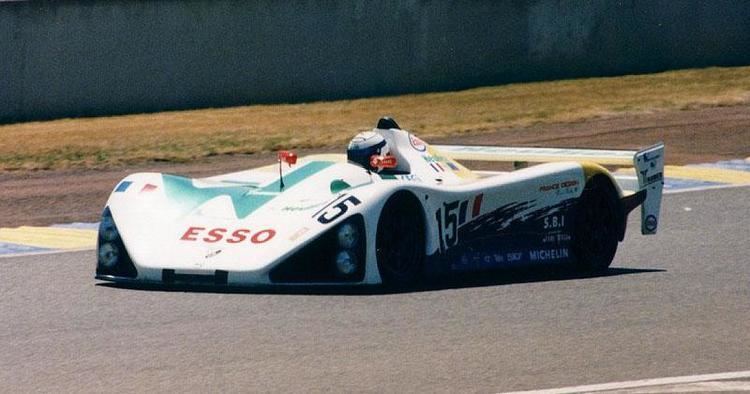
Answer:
(112, 257)
(346, 263)
(326, 259)
(347, 236)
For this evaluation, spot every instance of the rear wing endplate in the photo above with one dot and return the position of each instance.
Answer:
(648, 164)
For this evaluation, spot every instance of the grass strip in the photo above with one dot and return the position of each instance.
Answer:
(188, 135)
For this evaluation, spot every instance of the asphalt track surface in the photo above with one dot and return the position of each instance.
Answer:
(674, 304)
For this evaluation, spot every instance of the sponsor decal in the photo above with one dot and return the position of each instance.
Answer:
(514, 256)
(237, 236)
(433, 158)
(654, 178)
(336, 208)
(409, 177)
(417, 143)
(381, 162)
(302, 206)
(556, 238)
(647, 159)
(479, 260)
(548, 254)
(213, 253)
(564, 187)
(554, 222)
(124, 185)
(298, 233)
(546, 188)
(651, 223)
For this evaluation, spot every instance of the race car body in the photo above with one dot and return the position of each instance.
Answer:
(403, 215)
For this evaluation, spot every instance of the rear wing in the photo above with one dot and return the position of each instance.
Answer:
(537, 155)
(648, 164)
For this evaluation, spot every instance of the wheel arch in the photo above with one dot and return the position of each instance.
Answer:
(598, 175)
(419, 203)
(591, 170)
(600, 224)
(410, 200)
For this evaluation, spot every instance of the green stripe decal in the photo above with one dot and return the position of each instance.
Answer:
(298, 175)
(245, 199)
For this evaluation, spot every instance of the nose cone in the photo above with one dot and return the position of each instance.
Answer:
(193, 225)
(200, 243)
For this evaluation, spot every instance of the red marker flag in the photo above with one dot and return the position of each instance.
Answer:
(288, 157)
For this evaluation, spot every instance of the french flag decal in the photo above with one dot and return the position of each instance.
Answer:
(477, 205)
(437, 167)
(123, 186)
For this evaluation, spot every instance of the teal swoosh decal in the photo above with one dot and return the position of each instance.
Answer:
(298, 175)
(245, 199)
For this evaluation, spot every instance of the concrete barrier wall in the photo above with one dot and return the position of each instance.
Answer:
(79, 58)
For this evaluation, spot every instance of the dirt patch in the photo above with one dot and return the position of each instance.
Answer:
(691, 136)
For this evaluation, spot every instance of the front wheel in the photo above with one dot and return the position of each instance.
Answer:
(597, 225)
(400, 240)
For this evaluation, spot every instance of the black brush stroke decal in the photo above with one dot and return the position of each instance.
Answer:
(508, 235)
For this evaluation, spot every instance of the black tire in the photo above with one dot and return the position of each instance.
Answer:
(597, 225)
(400, 240)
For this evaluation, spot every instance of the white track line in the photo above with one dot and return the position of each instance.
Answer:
(702, 188)
(640, 383)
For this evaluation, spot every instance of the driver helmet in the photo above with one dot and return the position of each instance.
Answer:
(363, 146)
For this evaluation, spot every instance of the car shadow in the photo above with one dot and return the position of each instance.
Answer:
(461, 281)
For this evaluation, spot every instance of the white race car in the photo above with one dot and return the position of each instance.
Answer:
(393, 211)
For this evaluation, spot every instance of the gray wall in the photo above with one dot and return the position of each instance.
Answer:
(78, 58)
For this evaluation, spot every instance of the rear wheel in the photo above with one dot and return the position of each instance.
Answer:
(400, 240)
(597, 225)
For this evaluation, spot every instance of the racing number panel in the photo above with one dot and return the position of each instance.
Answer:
(515, 234)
